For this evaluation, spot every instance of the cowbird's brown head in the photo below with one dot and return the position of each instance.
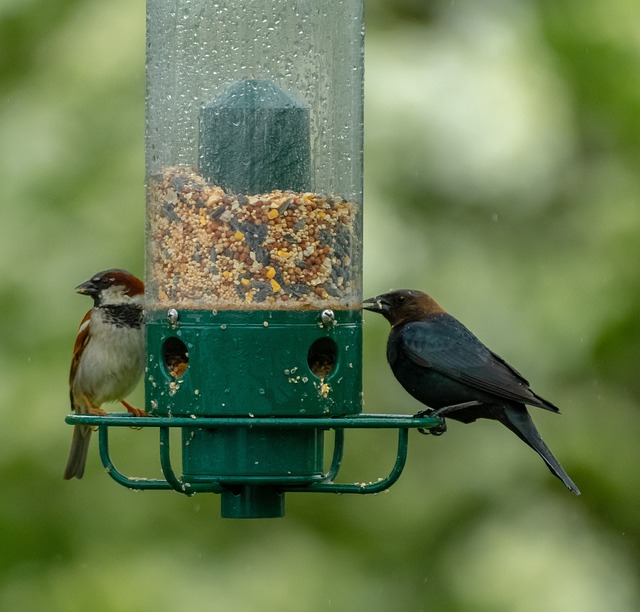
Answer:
(402, 305)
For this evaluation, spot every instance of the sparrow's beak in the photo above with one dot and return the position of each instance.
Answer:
(87, 288)
(378, 304)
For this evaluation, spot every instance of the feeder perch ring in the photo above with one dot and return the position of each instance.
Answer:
(324, 483)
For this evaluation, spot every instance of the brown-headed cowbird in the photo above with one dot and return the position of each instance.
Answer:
(443, 365)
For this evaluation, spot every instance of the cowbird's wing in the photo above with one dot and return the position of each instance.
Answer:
(444, 344)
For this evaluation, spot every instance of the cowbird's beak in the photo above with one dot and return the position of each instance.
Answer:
(377, 304)
(88, 288)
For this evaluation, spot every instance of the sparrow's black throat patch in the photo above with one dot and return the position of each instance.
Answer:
(123, 315)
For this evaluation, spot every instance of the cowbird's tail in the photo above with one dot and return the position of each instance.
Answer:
(517, 419)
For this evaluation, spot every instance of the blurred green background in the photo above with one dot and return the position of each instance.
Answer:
(502, 156)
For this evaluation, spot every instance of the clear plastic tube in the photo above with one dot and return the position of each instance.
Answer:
(254, 154)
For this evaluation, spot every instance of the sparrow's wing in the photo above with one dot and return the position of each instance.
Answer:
(82, 339)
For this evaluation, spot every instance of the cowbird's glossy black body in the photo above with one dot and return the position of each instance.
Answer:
(441, 363)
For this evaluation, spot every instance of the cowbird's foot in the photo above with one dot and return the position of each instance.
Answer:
(440, 413)
(445, 410)
(438, 430)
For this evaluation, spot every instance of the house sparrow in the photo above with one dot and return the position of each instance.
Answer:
(108, 356)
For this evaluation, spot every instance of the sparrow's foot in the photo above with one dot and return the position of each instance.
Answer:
(137, 412)
(94, 411)
(91, 409)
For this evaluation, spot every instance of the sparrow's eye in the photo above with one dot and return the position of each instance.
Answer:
(103, 281)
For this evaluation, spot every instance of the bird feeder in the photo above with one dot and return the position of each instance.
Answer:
(253, 277)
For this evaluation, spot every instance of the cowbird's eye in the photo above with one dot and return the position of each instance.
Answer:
(401, 298)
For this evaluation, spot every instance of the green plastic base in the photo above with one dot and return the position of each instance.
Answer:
(260, 364)
(252, 502)
(254, 362)
(247, 454)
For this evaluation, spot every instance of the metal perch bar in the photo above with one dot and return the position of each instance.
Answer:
(360, 421)
(323, 483)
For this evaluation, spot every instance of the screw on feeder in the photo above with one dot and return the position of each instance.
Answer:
(328, 318)
(172, 318)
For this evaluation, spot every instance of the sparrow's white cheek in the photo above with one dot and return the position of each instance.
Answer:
(116, 295)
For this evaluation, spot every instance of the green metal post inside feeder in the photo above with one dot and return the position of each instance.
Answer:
(254, 233)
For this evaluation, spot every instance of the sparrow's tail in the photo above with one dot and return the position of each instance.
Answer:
(78, 453)
(519, 422)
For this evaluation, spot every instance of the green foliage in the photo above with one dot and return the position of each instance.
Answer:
(501, 177)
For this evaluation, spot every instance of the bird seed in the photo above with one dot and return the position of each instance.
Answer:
(281, 250)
